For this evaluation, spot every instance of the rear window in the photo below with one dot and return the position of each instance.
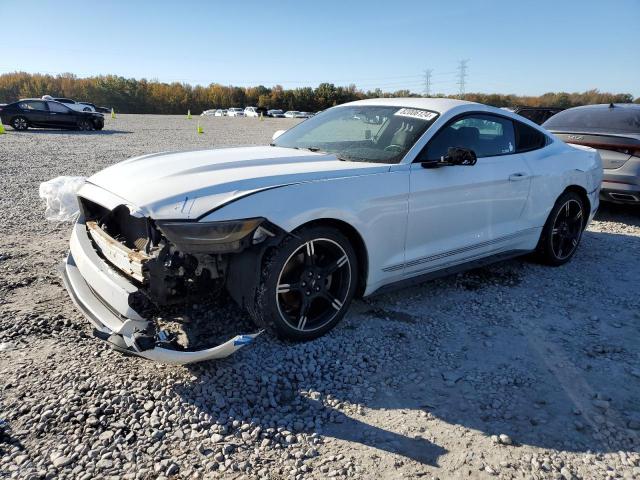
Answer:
(596, 119)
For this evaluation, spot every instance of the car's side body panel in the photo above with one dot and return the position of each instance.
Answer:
(462, 212)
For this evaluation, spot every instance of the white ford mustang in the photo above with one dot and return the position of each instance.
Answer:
(361, 197)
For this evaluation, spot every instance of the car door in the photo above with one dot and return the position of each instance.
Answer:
(461, 213)
(36, 112)
(61, 115)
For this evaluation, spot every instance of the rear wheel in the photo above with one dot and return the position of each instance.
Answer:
(562, 232)
(19, 123)
(307, 284)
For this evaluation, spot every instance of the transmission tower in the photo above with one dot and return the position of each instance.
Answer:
(462, 76)
(427, 82)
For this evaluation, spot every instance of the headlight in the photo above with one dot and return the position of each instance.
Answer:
(210, 237)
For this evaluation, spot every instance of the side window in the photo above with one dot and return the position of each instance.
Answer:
(33, 105)
(486, 135)
(57, 107)
(528, 138)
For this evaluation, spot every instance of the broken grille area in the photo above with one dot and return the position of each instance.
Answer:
(137, 249)
(119, 224)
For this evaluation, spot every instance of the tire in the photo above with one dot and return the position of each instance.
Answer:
(100, 127)
(85, 125)
(562, 231)
(307, 284)
(19, 123)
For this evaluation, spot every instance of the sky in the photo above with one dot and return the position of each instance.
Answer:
(523, 47)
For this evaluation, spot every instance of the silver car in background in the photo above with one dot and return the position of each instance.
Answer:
(614, 130)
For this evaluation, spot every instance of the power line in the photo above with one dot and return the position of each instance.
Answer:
(427, 82)
(462, 76)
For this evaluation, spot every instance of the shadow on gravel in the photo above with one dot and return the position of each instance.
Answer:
(507, 349)
(611, 212)
(73, 132)
(8, 441)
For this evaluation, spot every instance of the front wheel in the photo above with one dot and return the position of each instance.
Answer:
(85, 125)
(19, 123)
(307, 284)
(562, 232)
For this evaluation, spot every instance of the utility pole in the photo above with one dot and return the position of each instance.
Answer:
(462, 76)
(427, 82)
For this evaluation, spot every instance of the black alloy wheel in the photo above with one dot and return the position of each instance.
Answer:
(313, 284)
(307, 283)
(562, 232)
(567, 229)
(19, 123)
(85, 125)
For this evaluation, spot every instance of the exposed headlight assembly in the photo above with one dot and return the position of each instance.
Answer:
(211, 237)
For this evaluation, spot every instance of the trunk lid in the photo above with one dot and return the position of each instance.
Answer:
(614, 149)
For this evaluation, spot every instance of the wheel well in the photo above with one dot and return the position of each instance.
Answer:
(356, 241)
(583, 195)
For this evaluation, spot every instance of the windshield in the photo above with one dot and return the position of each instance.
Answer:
(361, 133)
(603, 119)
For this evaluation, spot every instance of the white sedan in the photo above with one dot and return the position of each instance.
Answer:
(235, 112)
(335, 208)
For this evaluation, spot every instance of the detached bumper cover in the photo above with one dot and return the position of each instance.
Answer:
(103, 296)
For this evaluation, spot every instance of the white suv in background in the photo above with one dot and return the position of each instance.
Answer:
(251, 112)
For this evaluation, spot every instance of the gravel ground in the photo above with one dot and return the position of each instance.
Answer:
(511, 371)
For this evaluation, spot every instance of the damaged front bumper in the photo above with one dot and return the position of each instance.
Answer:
(106, 298)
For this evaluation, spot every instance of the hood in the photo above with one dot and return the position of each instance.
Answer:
(186, 185)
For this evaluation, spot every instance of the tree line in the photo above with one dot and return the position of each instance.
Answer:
(129, 95)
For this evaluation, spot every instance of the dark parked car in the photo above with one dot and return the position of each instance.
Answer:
(35, 112)
(614, 130)
(537, 115)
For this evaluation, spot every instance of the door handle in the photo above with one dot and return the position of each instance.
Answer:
(515, 177)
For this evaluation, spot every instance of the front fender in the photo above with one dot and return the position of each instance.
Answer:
(376, 206)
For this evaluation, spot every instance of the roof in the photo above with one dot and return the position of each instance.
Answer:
(435, 104)
(604, 106)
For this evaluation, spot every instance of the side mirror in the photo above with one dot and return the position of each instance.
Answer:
(454, 156)
(277, 134)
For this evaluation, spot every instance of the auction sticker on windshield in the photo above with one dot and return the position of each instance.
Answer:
(415, 113)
